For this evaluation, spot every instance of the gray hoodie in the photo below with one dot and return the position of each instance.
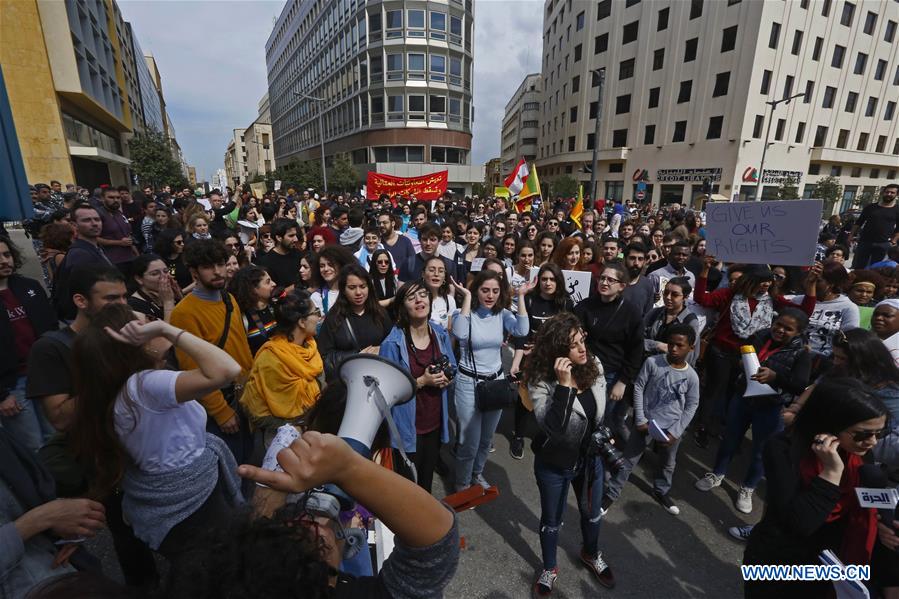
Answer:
(665, 394)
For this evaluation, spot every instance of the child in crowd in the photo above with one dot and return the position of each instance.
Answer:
(666, 394)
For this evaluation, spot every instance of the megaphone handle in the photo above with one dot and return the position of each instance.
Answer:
(381, 403)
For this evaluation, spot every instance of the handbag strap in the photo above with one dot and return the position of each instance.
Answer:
(349, 328)
(474, 366)
(229, 308)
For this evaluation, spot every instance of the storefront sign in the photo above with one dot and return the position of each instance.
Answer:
(688, 175)
(777, 177)
(427, 187)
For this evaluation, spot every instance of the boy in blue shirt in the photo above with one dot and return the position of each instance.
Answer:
(666, 394)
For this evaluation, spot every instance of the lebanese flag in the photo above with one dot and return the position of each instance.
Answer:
(515, 182)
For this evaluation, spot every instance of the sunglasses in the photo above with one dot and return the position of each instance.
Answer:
(859, 436)
(605, 279)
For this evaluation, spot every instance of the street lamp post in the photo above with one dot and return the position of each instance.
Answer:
(321, 135)
(773, 104)
(601, 74)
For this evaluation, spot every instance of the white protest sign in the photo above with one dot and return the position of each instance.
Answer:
(277, 185)
(577, 283)
(778, 232)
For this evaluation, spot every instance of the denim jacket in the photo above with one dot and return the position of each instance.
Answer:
(395, 349)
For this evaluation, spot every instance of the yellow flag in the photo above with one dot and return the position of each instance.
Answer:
(578, 208)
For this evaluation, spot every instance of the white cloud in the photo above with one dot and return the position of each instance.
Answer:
(211, 55)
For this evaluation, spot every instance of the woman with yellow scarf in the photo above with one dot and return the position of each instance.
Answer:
(283, 384)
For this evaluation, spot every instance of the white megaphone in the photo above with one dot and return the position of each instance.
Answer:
(750, 367)
(373, 386)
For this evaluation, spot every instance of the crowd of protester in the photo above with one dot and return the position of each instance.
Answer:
(174, 337)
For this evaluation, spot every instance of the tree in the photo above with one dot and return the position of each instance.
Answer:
(342, 176)
(152, 161)
(830, 190)
(299, 174)
(565, 186)
(788, 189)
(481, 190)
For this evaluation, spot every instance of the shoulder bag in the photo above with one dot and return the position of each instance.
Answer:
(492, 393)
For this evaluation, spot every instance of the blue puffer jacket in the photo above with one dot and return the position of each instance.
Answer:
(395, 349)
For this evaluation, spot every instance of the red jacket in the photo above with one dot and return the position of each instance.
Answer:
(720, 299)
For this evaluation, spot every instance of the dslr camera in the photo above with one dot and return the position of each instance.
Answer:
(442, 364)
(601, 445)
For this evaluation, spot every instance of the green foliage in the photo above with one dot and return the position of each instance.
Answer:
(565, 186)
(788, 190)
(299, 175)
(153, 162)
(830, 190)
(342, 176)
(481, 190)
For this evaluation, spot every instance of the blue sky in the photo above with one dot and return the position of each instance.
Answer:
(211, 55)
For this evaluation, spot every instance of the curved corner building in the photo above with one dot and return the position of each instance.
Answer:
(395, 78)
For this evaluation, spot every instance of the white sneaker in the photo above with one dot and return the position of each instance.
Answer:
(709, 481)
(480, 480)
(744, 500)
(740, 533)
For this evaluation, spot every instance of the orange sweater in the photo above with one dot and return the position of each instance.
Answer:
(206, 320)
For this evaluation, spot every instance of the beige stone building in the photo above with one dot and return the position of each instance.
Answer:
(687, 87)
(258, 140)
(236, 158)
(521, 124)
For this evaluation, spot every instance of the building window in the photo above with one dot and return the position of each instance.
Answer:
(838, 53)
(690, 49)
(829, 94)
(695, 9)
(629, 32)
(416, 62)
(394, 19)
(590, 138)
(680, 131)
(616, 167)
(875, 173)
(415, 19)
(896, 147)
(881, 144)
(438, 63)
(715, 125)
(836, 170)
(575, 84)
(649, 135)
(619, 138)
(394, 103)
(788, 86)
(800, 132)
(871, 108)
(814, 168)
(579, 21)
(896, 76)
(377, 104)
(623, 104)
(870, 23)
(626, 69)
(629, 3)
(880, 70)
(862, 142)
(843, 138)
(848, 13)
(604, 9)
(572, 114)
(757, 126)
(662, 23)
(774, 37)
(578, 50)
(816, 52)
(601, 43)
(797, 43)
(820, 136)
(729, 39)
(416, 103)
(779, 130)
(571, 143)
(825, 8)
(889, 32)
(860, 61)
(654, 97)
(851, 100)
(809, 90)
(686, 89)
(889, 111)
(658, 59)
(766, 82)
(722, 81)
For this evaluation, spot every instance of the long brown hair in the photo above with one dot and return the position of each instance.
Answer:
(553, 341)
(559, 257)
(102, 367)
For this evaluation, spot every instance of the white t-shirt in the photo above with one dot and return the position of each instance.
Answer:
(892, 343)
(318, 300)
(159, 433)
(441, 308)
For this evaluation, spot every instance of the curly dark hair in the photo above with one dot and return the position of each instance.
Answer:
(552, 341)
(243, 286)
(57, 236)
(291, 308)
(205, 252)
(14, 250)
(165, 242)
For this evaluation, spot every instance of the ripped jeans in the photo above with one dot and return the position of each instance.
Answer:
(553, 485)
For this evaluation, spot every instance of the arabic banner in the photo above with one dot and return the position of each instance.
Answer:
(426, 187)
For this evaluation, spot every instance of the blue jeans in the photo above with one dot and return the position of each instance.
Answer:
(553, 485)
(616, 411)
(29, 427)
(765, 420)
(636, 445)
(475, 432)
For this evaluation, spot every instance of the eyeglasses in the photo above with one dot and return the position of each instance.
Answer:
(179, 242)
(499, 228)
(315, 312)
(553, 223)
(859, 436)
(422, 294)
(778, 277)
(605, 279)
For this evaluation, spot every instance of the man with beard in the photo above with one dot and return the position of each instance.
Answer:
(220, 209)
(116, 234)
(640, 290)
(283, 261)
(211, 313)
(399, 246)
(676, 267)
(25, 314)
(419, 218)
(85, 250)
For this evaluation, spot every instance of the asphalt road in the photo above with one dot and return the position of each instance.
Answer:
(652, 553)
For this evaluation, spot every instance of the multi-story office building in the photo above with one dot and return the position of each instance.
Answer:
(521, 123)
(258, 140)
(686, 91)
(394, 82)
(74, 78)
(236, 158)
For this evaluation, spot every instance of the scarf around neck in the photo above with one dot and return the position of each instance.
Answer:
(744, 322)
(284, 379)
